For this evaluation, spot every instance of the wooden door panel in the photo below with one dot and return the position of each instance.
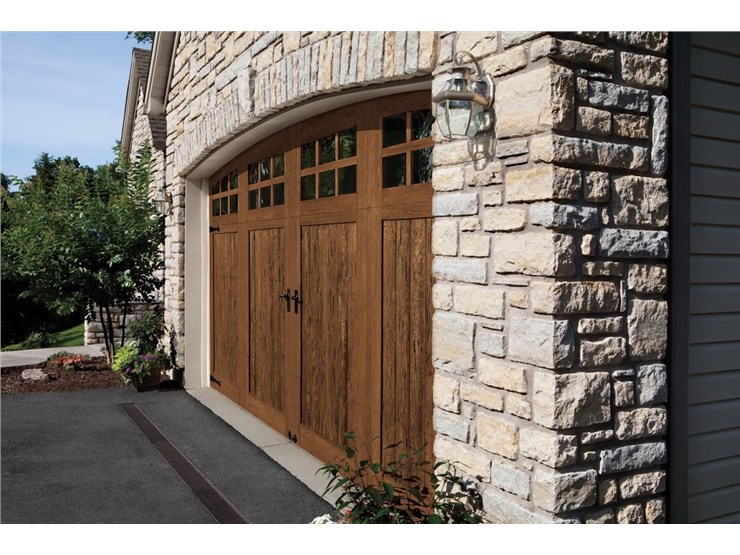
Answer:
(328, 290)
(407, 371)
(266, 315)
(225, 300)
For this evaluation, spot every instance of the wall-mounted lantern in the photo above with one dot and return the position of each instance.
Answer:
(463, 102)
(162, 201)
(463, 106)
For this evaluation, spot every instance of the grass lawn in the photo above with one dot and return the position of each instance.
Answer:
(72, 337)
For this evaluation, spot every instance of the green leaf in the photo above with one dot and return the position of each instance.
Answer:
(434, 519)
(388, 489)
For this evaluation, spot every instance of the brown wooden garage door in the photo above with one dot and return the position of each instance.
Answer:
(321, 277)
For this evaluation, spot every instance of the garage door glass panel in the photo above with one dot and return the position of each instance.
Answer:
(394, 171)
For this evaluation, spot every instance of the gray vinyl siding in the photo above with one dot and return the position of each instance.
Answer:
(714, 282)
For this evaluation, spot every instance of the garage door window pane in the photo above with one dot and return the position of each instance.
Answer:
(253, 199)
(278, 194)
(394, 130)
(421, 161)
(326, 184)
(347, 180)
(308, 155)
(347, 144)
(308, 187)
(394, 171)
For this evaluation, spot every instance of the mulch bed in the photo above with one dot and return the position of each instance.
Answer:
(94, 374)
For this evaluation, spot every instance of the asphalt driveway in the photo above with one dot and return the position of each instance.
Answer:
(76, 457)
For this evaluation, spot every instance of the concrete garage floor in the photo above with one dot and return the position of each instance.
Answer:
(76, 457)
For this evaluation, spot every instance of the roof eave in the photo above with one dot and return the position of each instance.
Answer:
(160, 69)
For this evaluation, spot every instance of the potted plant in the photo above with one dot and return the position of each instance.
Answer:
(142, 361)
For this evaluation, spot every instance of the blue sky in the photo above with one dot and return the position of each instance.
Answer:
(62, 93)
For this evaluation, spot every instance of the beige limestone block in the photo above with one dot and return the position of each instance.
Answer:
(444, 237)
(544, 343)
(476, 246)
(608, 491)
(504, 219)
(556, 491)
(535, 101)
(518, 298)
(571, 400)
(482, 396)
(549, 448)
(559, 149)
(490, 175)
(650, 279)
(638, 485)
(631, 126)
(631, 514)
(573, 51)
(448, 178)
(543, 182)
(518, 406)
(497, 435)
(641, 422)
(507, 62)
(479, 301)
(647, 327)
(533, 253)
(643, 70)
(594, 326)
(640, 201)
(446, 393)
(492, 197)
(602, 352)
(655, 511)
(452, 343)
(502, 374)
(468, 459)
(593, 121)
(479, 43)
(442, 296)
(596, 188)
(574, 297)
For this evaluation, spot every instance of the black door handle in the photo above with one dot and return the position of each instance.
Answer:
(296, 300)
(286, 296)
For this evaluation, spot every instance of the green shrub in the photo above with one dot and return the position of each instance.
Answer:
(147, 330)
(404, 491)
(37, 340)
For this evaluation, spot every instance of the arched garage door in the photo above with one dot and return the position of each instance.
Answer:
(321, 277)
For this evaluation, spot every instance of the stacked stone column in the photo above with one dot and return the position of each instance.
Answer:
(550, 328)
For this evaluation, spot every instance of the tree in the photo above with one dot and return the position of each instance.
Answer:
(141, 37)
(88, 242)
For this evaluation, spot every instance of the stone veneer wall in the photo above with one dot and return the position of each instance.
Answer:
(94, 329)
(550, 322)
(550, 329)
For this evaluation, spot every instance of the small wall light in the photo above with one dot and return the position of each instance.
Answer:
(463, 107)
(162, 201)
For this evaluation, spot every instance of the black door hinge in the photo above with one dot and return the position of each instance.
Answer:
(292, 437)
(213, 228)
(214, 380)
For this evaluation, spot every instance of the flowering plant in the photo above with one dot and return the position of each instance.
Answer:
(68, 361)
(129, 362)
